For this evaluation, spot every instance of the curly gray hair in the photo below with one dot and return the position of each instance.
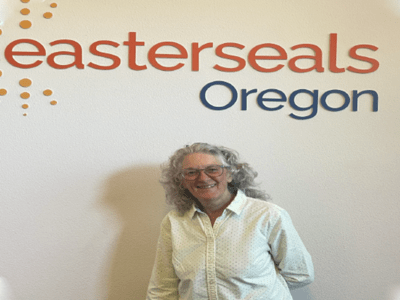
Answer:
(242, 175)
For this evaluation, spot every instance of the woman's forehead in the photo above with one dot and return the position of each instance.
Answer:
(199, 160)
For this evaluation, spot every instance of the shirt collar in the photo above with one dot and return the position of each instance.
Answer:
(236, 205)
(192, 211)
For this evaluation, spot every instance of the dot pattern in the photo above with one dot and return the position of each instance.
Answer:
(25, 11)
(48, 15)
(47, 92)
(25, 82)
(25, 95)
(25, 24)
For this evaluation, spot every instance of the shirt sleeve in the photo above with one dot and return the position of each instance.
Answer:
(163, 282)
(289, 253)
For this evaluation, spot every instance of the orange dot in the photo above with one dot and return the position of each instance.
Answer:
(24, 115)
(25, 24)
(53, 5)
(25, 1)
(47, 15)
(25, 106)
(47, 92)
(25, 11)
(1, 31)
(25, 82)
(25, 95)
(54, 102)
(1, 73)
(3, 92)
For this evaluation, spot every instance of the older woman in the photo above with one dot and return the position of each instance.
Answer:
(223, 240)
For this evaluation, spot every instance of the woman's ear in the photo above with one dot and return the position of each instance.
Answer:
(229, 177)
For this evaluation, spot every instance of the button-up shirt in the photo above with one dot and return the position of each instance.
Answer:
(252, 252)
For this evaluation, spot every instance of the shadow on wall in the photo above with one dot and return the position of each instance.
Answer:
(138, 198)
(302, 294)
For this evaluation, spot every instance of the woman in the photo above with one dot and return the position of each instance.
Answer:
(223, 240)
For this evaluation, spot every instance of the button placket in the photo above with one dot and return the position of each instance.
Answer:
(210, 261)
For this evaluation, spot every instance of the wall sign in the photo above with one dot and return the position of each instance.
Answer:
(191, 57)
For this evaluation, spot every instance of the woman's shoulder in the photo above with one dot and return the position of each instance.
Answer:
(175, 215)
(262, 207)
(262, 204)
(266, 214)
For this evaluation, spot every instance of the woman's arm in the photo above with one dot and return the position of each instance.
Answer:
(289, 253)
(164, 282)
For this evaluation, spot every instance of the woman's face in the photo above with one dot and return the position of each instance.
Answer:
(208, 190)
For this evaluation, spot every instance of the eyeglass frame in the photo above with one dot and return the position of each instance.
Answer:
(203, 169)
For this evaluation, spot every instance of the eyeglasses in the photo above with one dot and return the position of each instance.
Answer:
(212, 171)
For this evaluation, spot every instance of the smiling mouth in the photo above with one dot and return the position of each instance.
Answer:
(206, 186)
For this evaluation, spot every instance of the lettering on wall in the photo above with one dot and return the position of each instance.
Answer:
(159, 57)
(40, 56)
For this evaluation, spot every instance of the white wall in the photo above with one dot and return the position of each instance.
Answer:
(80, 200)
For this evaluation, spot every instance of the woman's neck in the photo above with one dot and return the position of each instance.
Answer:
(214, 212)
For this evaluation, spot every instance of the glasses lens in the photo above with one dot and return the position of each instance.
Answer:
(190, 174)
(213, 170)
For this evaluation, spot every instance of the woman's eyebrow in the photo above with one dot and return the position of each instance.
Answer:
(202, 167)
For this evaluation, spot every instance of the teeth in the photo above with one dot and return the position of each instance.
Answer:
(206, 186)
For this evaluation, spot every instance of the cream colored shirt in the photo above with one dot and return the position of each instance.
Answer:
(252, 252)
